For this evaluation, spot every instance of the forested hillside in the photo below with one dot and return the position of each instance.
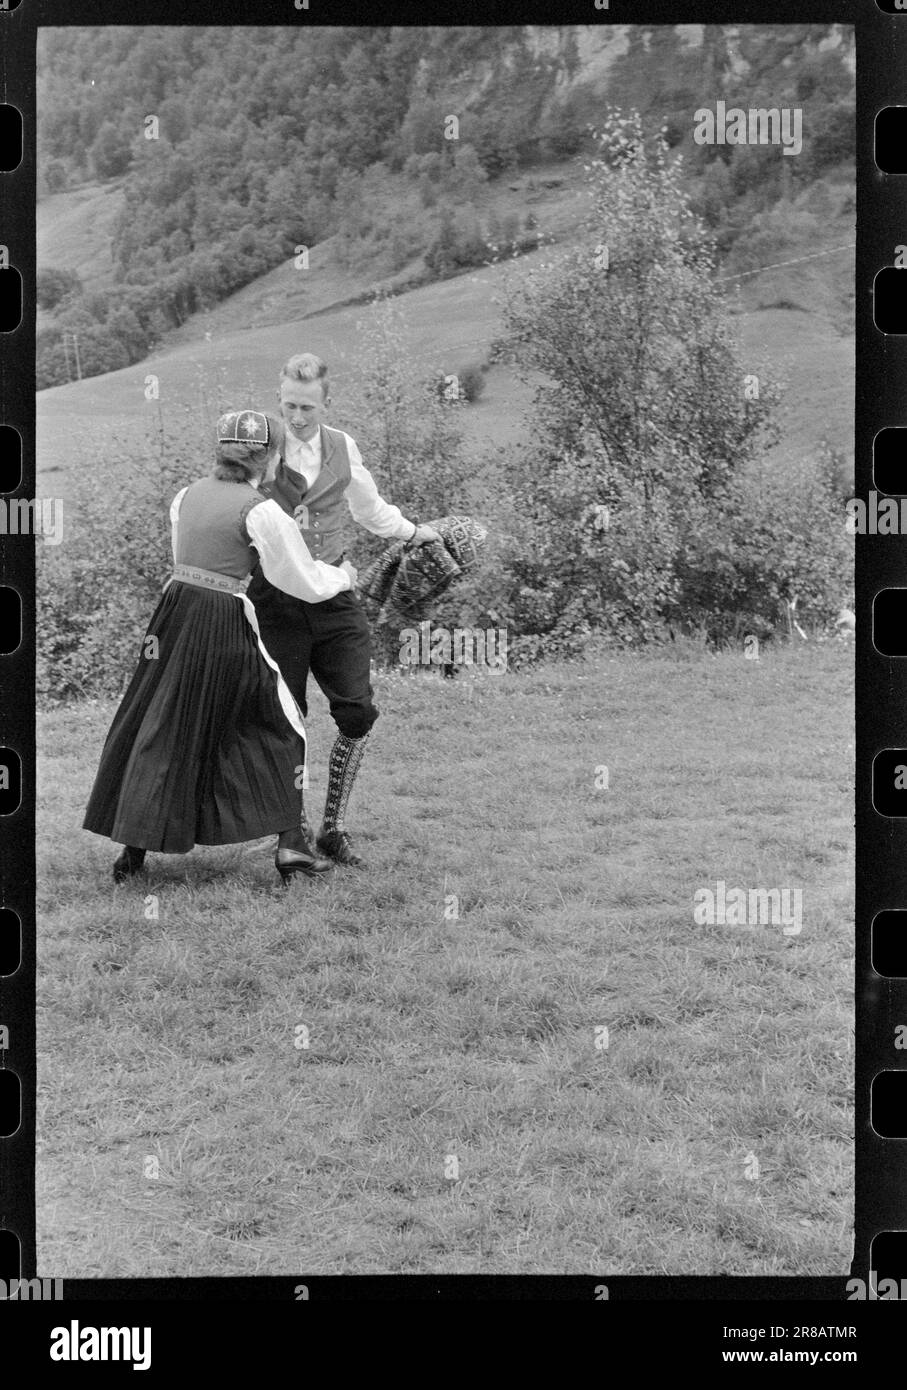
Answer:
(263, 140)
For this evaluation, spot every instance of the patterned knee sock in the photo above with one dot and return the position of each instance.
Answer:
(346, 759)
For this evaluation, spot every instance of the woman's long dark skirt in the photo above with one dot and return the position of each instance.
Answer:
(199, 751)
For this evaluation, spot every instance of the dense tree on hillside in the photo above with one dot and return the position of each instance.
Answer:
(52, 286)
(244, 170)
(54, 176)
(262, 133)
(667, 78)
(111, 152)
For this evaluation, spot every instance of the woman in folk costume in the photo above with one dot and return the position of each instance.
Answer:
(208, 745)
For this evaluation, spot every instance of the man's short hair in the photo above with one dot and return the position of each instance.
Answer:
(305, 366)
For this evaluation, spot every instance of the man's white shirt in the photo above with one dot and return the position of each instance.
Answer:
(367, 507)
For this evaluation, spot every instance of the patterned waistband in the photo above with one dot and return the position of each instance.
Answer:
(209, 579)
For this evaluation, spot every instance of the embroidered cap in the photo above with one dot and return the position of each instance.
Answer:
(249, 427)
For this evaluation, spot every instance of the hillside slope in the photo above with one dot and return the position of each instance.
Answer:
(448, 323)
(73, 231)
(410, 147)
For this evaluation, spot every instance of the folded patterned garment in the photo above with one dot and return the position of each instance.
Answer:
(401, 584)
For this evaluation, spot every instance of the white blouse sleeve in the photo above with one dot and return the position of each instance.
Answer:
(286, 560)
(174, 518)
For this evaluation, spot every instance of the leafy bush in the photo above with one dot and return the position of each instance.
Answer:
(50, 359)
(54, 176)
(562, 128)
(53, 286)
(765, 545)
(410, 440)
(772, 233)
(835, 139)
(640, 568)
(639, 494)
(97, 590)
(111, 153)
(458, 244)
(471, 380)
(632, 333)
(463, 178)
(465, 384)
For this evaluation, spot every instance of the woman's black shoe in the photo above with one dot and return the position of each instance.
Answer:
(290, 862)
(128, 863)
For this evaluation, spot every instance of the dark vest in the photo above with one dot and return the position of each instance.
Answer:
(211, 527)
(320, 511)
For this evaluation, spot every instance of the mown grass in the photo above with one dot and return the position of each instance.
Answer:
(172, 1038)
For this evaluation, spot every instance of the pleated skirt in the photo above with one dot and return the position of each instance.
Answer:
(200, 751)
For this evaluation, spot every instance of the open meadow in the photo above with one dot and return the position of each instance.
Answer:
(405, 1070)
(512, 1045)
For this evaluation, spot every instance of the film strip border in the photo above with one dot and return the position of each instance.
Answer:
(880, 1249)
(17, 647)
(880, 1246)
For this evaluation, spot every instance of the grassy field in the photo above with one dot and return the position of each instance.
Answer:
(169, 1011)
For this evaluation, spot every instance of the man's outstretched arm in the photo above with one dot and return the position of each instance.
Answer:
(370, 510)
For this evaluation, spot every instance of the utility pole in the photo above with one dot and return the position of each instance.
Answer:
(66, 354)
(75, 345)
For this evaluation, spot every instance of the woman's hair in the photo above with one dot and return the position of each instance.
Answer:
(243, 463)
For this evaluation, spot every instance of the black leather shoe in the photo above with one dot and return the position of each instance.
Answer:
(127, 863)
(337, 845)
(289, 863)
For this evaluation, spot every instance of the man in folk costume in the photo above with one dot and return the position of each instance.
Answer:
(318, 477)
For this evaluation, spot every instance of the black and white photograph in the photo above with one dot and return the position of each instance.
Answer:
(445, 644)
